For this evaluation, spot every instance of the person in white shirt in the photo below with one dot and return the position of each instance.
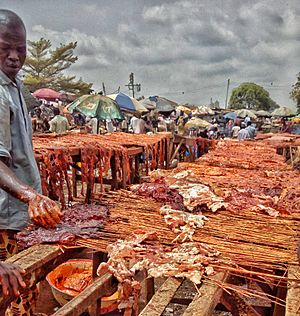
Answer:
(109, 126)
(59, 124)
(235, 130)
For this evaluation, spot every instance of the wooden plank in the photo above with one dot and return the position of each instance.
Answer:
(132, 151)
(162, 297)
(37, 261)
(293, 292)
(103, 286)
(176, 150)
(204, 303)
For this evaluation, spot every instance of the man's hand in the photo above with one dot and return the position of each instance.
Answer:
(11, 278)
(43, 211)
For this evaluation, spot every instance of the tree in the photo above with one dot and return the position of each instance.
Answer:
(295, 93)
(251, 96)
(44, 68)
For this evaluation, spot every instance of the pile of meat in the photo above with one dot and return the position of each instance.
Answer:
(80, 220)
(144, 251)
(160, 192)
(183, 202)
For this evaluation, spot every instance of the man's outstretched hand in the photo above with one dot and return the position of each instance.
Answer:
(43, 211)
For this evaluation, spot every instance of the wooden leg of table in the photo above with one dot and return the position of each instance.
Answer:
(149, 288)
(114, 184)
(137, 177)
(132, 171)
(124, 173)
(97, 257)
(74, 182)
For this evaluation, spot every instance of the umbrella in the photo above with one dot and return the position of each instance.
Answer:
(245, 112)
(150, 105)
(296, 119)
(283, 111)
(230, 116)
(98, 106)
(46, 94)
(128, 103)
(184, 109)
(196, 122)
(263, 113)
(203, 110)
(159, 104)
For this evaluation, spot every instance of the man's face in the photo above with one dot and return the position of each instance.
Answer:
(12, 50)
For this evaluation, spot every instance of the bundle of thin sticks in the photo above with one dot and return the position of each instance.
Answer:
(252, 243)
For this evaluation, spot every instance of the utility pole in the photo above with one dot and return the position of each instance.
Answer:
(131, 85)
(103, 88)
(228, 83)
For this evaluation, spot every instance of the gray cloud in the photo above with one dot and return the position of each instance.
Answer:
(172, 47)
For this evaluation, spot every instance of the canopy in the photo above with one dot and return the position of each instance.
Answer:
(245, 112)
(263, 113)
(128, 103)
(150, 105)
(230, 116)
(196, 122)
(159, 104)
(98, 106)
(283, 111)
(46, 94)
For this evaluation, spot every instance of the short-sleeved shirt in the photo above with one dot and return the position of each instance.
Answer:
(16, 145)
(243, 134)
(59, 124)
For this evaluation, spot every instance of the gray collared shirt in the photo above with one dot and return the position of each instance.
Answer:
(16, 145)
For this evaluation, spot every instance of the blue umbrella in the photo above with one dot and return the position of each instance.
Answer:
(230, 116)
(127, 103)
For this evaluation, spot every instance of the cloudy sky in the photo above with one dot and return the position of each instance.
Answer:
(184, 50)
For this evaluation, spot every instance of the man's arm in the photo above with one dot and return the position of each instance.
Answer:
(42, 211)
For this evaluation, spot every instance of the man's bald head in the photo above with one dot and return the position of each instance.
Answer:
(9, 19)
(12, 43)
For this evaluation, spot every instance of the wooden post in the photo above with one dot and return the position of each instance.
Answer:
(162, 298)
(114, 184)
(97, 257)
(293, 292)
(209, 295)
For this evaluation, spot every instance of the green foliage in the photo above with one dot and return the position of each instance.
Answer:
(251, 96)
(295, 93)
(44, 68)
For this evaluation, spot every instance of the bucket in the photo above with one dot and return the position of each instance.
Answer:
(69, 268)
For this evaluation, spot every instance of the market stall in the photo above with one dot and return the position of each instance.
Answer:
(212, 219)
(105, 159)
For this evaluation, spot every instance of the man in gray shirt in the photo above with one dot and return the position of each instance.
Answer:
(20, 198)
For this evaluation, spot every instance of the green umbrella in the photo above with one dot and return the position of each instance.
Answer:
(96, 105)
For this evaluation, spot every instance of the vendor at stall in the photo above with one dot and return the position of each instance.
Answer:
(20, 198)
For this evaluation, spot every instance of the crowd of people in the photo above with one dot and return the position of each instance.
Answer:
(51, 118)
